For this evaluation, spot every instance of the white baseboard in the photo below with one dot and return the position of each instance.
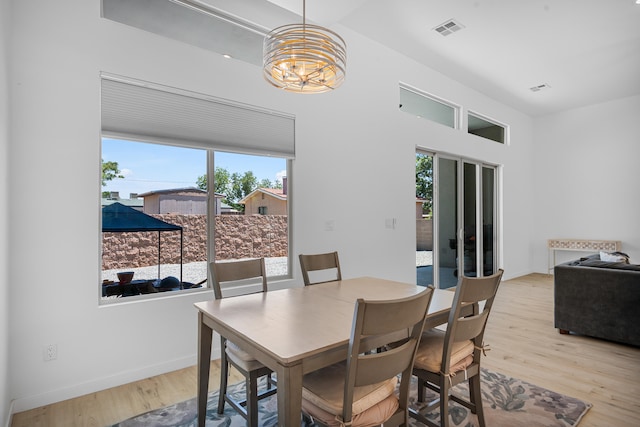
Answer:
(103, 383)
(10, 415)
(516, 274)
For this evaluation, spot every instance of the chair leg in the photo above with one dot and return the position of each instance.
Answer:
(252, 399)
(421, 390)
(444, 402)
(269, 382)
(224, 375)
(475, 396)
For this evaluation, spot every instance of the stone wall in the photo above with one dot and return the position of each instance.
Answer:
(236, 236)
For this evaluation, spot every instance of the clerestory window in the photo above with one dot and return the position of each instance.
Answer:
(427, 106)
(486, 128)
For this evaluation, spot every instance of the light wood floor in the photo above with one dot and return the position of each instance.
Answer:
(524, 345)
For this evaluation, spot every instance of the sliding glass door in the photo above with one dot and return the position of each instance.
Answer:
(463, 221)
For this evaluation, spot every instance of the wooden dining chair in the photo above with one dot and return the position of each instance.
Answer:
(446, 359)
(361, 391)
(317, 262)
(233, 274)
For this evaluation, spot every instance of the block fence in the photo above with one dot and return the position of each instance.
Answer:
(236, 236)
(424, 235)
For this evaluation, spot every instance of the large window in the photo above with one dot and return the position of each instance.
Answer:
(188, 179)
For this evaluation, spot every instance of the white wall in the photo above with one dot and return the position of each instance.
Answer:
(354, 149)
(588, 178)
(5, 395)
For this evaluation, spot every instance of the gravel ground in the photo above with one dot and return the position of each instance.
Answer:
(195, 272)
(424, 258)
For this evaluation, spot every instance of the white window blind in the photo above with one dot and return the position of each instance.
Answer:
(150, 112)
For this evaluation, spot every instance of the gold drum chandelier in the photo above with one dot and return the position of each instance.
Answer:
(304, 58)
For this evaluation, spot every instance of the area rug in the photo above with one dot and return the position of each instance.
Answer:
(508, 402)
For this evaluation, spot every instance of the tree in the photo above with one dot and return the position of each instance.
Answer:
(110, 172)
(235, 186)
(248, 183)
(424, 181)
(201, 182)
(265, 183)
(221, 179)
(241, 186)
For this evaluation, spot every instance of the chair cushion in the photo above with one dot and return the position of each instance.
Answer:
(325, 389)
(429, 356)
(374, 416)
(241, 358)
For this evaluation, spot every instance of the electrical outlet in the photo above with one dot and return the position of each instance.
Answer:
(50, 352)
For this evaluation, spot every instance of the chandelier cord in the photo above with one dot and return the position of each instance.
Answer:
(304, 22)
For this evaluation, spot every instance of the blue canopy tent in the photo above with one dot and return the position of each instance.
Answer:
(118, 218)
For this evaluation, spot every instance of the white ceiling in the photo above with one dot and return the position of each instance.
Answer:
(587, 51)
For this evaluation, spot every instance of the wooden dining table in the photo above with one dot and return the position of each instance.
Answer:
(297, 330)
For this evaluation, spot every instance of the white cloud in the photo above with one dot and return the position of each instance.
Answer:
(281, 174)
(126, 172)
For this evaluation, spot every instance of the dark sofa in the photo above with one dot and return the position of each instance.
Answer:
(599, 299)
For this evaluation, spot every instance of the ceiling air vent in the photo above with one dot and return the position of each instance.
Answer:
(449, 27)
(539, 87)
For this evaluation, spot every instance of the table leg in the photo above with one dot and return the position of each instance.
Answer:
(205, 334)
(289, 395)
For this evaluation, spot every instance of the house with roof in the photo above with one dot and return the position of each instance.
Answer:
(265, 201)
(185, 201)
(568, 169)
(188, 200)
(133, 201)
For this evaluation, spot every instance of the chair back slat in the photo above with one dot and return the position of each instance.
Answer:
(234, 271)
(383, 317)
(470, 327)
(372, 370)
(483, 288)
(318, 262)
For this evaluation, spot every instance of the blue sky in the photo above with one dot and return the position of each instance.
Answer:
(148, 167)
